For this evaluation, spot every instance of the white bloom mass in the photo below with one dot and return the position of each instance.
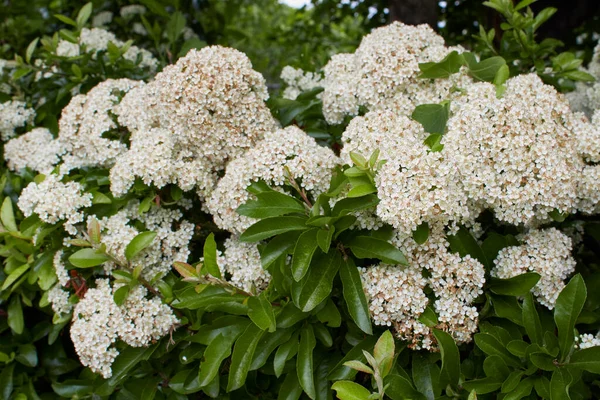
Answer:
(283, 154)
(241, 261)
(14, 114)
(546, 252)
(36, 149)
(298, 81)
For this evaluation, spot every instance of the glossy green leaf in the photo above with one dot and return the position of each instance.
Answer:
(400, 388)
(127, 359)
(7, 215)
(491, 346)
(518, 285)
(433, 117)
(261, 312)
(370, 247)
(448, 66)
(384, 353)
(355, 296)
(587, 359)
(270, 204)
(485, 70)
(121, 294)
(214, 355)
(464, 243)
(277, 247)
(304, 361)
(324, 237)
(84, 14)
(27, 355)
(303, 253)
(340, 371)
(531, 320)
(139, 243)
(421, 234)
(267, 345)
(87, 258)
(483, 385)
(269, 227)
(347, 390)
(317, 285)
(289, 316)
(450, 372)
(210, 257)
(348, 205)
(425, 376)
(284, 353)
(559, 385)
(330, 315)
(15, 315)
(14, 275)
(569, 304)
(211, 296)
(241, 359)
(290, 389)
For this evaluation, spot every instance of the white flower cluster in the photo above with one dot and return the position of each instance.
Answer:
(101, 19)
(89, 131)
(14, 114)
(587, 340)
(196, 115)
(298, 81)
(397, 294)
(588, 136)
(53, 201)
(131, 10)
(241, 261)
(546, 252)
(286, 153)
(168, 246)
(586, 96)
(414, 185)
(96, 39)
(59, 268)
(517, 154)
(36, 149)
(383, 73)
(59, 298)
(98, 322)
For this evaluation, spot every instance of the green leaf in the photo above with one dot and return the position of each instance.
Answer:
(559, 385)
(370, 247)
(121, 294)
(73, 388)
(128, 358)
(139, 243)
(211, 296)
(241, 359)
(450, 372)
(269, 227)
(429, 317)
(384, 353)
(354, 295)
(349, 205)
(340, 371)
(261, 312)
(217, 351)
(87, 258)
(359, 366)
(464, 243)
(361, 190)
(587, 359)
(27, 355)
(483, 385)
(268, 343)
(495, 242)
(277, 247)
(433, 117)
(491, 346)
(289, 316)
(421, 234)
(65, 19)
(578, 75)
(290, 389)
(84, 15)
(210, 256)
(330, 315)
(304, 361)
(303, 253)
(317, 285)
(270, 204)
(485, 70)
(531, 320)
(501, 75)
(6, 381)
(433, 141)
(324, 238)
(425, 376)
(518, 285)
(14, 275)
(175, 26)
(400, 388)
(284, 353)
(568, 306)
(7, 215)
(347, 390)
(31, 49)
(449, 65)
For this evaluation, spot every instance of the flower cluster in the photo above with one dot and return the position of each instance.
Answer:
(14, 114)
(36, 149)
(546, 252)
(298, 81)
(587, 340)
(195, 116)
(53, 201)
(282, 155)
(98, 322)
(241, 262)
(397, 295)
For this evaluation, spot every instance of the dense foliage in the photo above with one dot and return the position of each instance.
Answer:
(332, 209)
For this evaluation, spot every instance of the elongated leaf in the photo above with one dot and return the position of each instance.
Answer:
(217, 351)
(270, 204)
(241, 359)
(268, 343)
(210, 256)
(587, 359)
(7, 215)
(484, 385)
(421, 234)
(518, 285)
(355, 296)
(346, 206)
(84, 14)
(15, 315)
(127, 360)
(347, 390)
(14, 275)
(433, 117)
(261, 312)
(531, 320)
(289, 316)
(370, 247)
(341, 371)
(87, 258)
(384, 353)
(210, 296)
(425, 376)
(303, 253)
(317, 285)
(290, 389)
(450, 372)
(277, 247)
(559, 385)
(485, 70)
(568, 306)
(400, 388)
(330, 315)
(284, 353)
(464, 243)
(449, 65)
(491, 346)
(269, 227)
(304, 361)
(139, 243)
